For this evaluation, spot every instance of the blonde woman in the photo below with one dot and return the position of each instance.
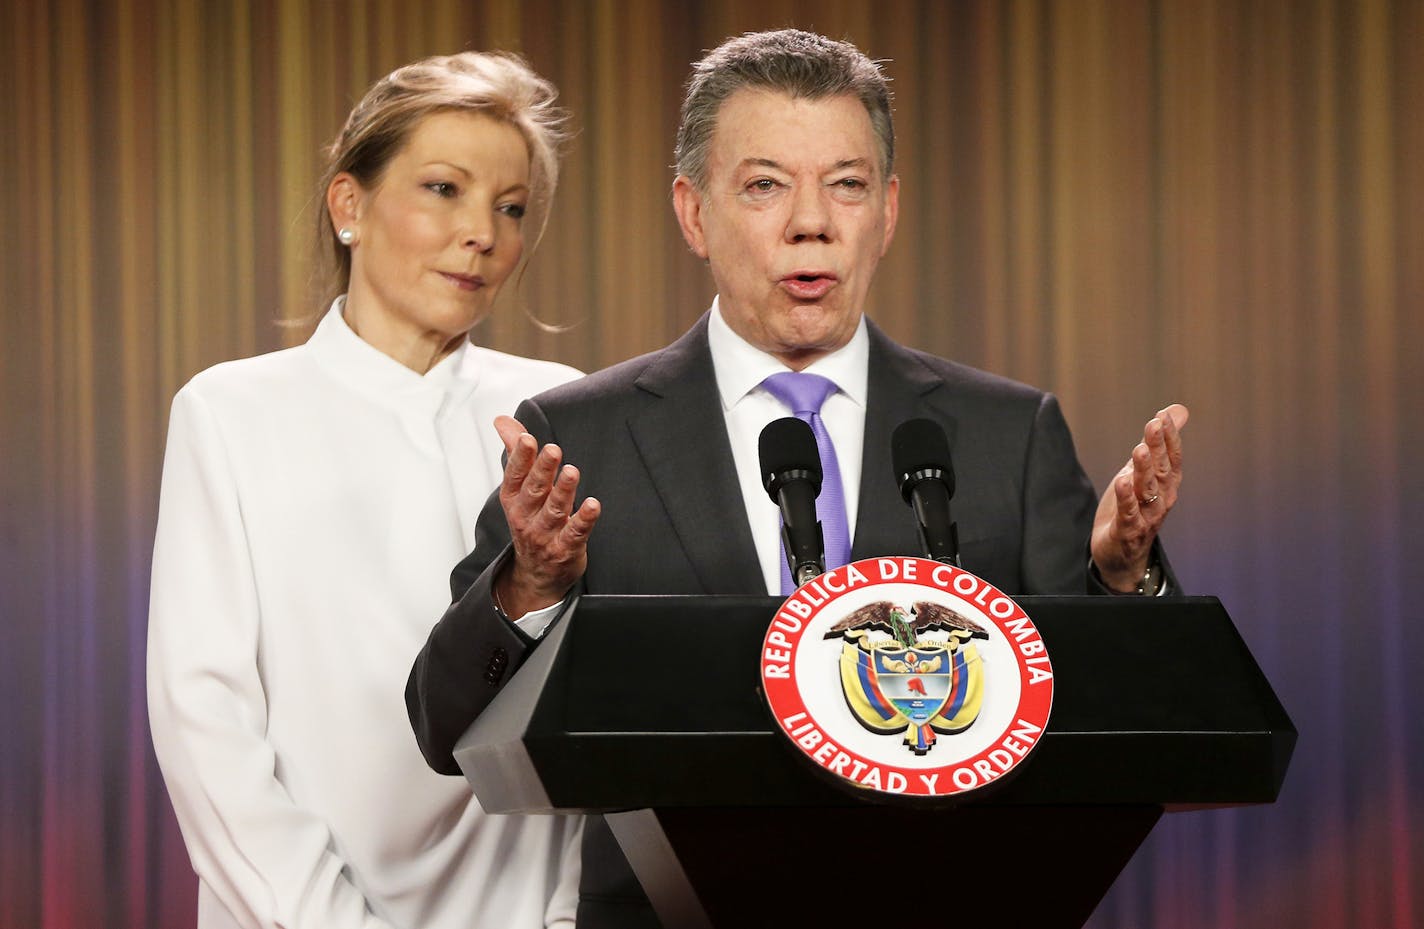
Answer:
(313, 502)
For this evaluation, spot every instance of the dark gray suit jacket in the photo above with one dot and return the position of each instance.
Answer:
(649, 439)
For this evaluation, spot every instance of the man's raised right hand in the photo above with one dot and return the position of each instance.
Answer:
(550, 538)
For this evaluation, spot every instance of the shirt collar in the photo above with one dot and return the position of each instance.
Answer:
(741, 366)
(370, 371)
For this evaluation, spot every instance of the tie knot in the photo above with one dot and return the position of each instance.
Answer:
(804, 393)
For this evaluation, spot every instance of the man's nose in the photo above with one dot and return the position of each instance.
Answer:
(810, 214)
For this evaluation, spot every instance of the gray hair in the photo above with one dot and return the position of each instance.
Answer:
(800, 64)
(497, 84)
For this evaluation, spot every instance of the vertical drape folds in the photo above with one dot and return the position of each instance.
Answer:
(1125, 201)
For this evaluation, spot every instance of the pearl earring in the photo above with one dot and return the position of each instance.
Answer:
(347, 236)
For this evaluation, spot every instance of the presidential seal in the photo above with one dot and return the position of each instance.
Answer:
(907, 676)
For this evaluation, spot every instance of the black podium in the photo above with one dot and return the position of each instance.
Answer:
(647, 709)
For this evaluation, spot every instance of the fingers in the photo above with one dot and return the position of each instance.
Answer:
(530, 473)
(568, 528)
(1129, 508)
(577, 530)
(509, 429)
(1121, 538)
(537, 495)
(1132, 510)
(1157, 461)
(549, 535)
(551, 494)
(1144, 471)
(548, 563)
(1178, 413)
(1173, 418)
(523, 451)
(542, 476)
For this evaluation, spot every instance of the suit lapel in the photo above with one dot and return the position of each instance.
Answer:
(681, 435)
(899, 387)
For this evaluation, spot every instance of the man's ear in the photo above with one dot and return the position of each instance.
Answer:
(687, 204)
(892, 211)
(344, 200)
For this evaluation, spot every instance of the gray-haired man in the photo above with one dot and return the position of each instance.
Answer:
(785, 186)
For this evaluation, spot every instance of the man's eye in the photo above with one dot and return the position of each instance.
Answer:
(851, 183)
(442, 188)
(762, 185)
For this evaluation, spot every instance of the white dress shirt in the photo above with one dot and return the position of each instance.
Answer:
(313, 503)
(748, 407)
(740, 368)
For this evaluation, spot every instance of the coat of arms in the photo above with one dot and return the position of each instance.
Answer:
(914, 671)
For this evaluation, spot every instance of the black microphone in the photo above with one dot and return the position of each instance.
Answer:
(791, 474)
(920, 454)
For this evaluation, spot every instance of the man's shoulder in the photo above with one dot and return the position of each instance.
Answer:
(599, 390)
(966, 381)
(683, 361)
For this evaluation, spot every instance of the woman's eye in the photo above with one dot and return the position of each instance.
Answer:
(442, 188)
(515, 210)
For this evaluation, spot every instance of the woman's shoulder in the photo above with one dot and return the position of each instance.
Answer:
(259, 378)
(535, 374)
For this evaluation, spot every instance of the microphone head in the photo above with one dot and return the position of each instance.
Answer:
(787, 449)
(919, 451)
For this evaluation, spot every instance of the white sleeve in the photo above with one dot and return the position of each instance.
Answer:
(563, 903)
(269, 861)
(537, 622)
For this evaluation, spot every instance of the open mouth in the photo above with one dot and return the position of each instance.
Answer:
(808, 285)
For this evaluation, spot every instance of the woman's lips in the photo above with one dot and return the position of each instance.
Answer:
(809, 287)
(464, 281)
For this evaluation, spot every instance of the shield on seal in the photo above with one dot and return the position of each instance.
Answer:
(917, 681)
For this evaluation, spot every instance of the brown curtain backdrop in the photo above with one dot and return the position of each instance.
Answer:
(1128, 202)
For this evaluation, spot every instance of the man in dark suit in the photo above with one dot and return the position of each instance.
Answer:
(786, 187)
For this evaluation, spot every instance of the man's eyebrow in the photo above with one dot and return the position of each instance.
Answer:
(763, 163)
(838, 166)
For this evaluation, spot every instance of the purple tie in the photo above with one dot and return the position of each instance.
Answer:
(804, 394)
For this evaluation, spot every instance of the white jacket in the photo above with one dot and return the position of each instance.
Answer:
(313, 503)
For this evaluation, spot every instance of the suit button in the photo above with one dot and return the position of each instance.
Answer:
(494, 671)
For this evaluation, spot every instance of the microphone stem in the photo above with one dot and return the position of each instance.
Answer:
(939, 535)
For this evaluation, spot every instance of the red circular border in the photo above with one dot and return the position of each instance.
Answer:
(783, 694)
